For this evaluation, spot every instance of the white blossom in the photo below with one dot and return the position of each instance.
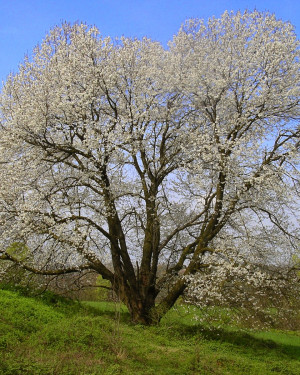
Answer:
(148, 156)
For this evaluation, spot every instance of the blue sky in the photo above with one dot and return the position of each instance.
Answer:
(24, 23)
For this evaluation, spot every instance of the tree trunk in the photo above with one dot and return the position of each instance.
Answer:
(145, 311)
(140, 315)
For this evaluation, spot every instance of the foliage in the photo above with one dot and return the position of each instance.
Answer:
(127, 154)
(41, 338)
(13, 272)
(104, 292)
(255, 295)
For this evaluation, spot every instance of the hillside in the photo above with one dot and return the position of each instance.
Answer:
(48, 335)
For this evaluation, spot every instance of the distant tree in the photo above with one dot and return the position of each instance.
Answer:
(13, 272)
(129, 153)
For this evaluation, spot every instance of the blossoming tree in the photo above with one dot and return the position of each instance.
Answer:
(129, 154)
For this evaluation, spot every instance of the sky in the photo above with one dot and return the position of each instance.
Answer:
(24, 23)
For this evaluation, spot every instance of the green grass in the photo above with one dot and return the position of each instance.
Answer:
(49, 335)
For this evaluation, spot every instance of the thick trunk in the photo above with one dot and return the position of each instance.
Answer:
(144, 310)
(140, 314)
(141, 309)
(139, 306)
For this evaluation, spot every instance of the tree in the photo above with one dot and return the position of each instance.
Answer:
(126, 152)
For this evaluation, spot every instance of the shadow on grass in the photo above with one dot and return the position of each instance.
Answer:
(107, 309)
(237, 338)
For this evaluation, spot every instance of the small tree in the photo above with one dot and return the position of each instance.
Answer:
(129, 153)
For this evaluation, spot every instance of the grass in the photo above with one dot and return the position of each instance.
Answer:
(49, 336)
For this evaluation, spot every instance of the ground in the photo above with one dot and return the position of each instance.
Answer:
(48, 335)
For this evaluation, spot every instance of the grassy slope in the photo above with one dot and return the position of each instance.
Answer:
(54, 337)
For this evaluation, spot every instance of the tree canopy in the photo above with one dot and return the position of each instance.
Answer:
(121, 155)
